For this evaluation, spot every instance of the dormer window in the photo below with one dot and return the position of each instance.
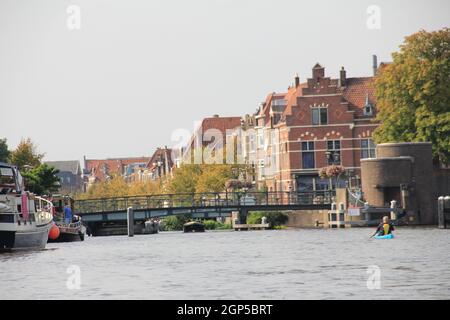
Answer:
(368, 107)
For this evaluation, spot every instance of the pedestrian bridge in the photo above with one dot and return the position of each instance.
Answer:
(199, 205)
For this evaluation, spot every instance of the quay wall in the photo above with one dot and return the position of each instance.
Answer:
(307, 218)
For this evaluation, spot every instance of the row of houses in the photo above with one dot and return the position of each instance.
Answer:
(315, 123)
(74, 178)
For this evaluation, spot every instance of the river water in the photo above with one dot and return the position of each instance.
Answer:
(275, 264)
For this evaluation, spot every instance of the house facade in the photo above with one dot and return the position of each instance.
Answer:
(159, 166)
(213, 134)
(70, 176)
(319, 122)
(98, 170)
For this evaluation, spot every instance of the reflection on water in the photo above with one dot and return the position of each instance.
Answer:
(285, 264)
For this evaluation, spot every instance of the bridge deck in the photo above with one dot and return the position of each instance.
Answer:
(169, 204)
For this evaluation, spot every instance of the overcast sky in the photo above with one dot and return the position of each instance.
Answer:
(138, 69)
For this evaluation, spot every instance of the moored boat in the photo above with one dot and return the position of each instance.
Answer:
(25, 219)
(194, 226)
(70, 227)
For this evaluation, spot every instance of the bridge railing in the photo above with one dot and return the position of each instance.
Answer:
(204, 200)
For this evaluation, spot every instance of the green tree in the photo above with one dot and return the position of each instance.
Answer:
(4, 151)
(185, 179)
(274, 218)
(213, 178)
(413, 93)
(42, 179)
(26, 155)
(175, 223)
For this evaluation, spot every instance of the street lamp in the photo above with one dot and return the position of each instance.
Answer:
(333, 157)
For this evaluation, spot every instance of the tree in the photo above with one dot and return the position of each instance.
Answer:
(413, 93)
(185, 179)
(274, 218)
(26, 155)
(42, 179)
(4, 152)
(213, 178)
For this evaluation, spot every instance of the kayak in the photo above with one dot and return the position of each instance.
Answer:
(388, 236)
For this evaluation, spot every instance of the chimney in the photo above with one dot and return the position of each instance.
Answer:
(374, 65)
(297, 80)
(343, 77)
(318, 72)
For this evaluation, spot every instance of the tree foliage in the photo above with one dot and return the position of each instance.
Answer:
(185, 179)
(26, 155)
(175, 223)
(274, 219)
(413, 93)
(4, 151)
(197, 178)
(42, 180)
(118, 187)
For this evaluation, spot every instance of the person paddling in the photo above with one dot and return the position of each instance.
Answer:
(384, 228)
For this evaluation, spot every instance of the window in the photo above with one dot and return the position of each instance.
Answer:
(312, 183)
(261, 166)
(305, 183)
(368, 110)
(260, 138)
(368, 107)
(319, 116)
(308, 155)
(252, 142)
(333, 152)
(367, 149)
(6, 176)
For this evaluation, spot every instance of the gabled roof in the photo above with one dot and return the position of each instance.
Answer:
(160, 153)
(72, 166)
(356, 92)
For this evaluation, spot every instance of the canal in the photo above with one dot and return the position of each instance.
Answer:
(284, 264)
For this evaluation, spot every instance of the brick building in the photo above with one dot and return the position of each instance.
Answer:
(160, 165)
(97, 170)
(212, 132)
(319, 122)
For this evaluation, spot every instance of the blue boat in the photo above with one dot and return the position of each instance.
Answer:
(387, 236)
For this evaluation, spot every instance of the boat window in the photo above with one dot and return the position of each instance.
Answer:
(7, 181)
(7, 176)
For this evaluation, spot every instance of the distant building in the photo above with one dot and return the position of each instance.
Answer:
(159, 166)
(98, 170)
(70, 175)
(212, 132)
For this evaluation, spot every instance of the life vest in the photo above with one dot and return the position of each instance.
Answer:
(386, 228)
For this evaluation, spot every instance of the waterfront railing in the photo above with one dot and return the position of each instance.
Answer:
(205, 200)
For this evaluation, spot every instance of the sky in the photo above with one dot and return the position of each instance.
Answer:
(115, 78)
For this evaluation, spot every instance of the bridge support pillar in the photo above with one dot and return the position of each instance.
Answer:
(243, 213)
(130, 221)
